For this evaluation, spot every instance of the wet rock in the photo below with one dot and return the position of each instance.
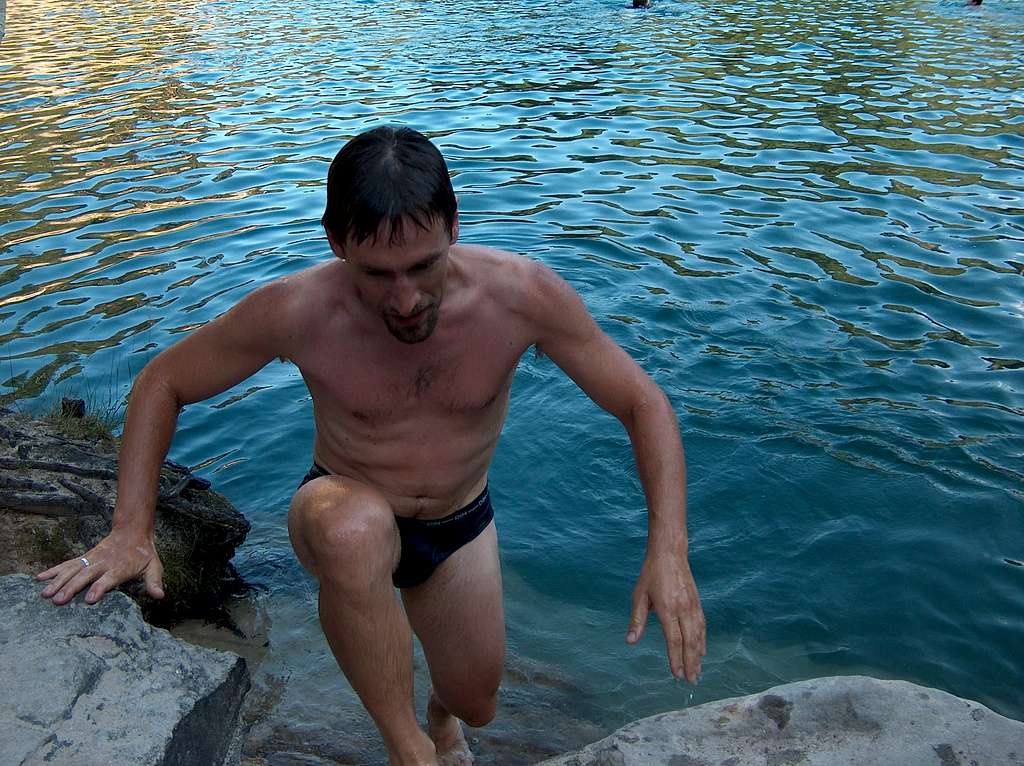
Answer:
(56, 499)
(97, 685)
(821, 722)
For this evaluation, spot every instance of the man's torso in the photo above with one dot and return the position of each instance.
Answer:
(419, 422)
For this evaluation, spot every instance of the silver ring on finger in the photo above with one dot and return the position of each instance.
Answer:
(85, 561)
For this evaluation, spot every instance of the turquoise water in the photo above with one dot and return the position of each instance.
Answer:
(804, 220)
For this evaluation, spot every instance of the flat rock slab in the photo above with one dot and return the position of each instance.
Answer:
(91, 685)
(821, 722)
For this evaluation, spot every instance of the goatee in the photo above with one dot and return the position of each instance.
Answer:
(416, 333)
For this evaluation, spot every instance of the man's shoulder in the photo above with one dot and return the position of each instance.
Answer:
(480, 255)
(291, 305)
(504, 275)
(524, 288)
(305, 288)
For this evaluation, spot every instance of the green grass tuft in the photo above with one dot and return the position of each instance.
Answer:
(96, 425)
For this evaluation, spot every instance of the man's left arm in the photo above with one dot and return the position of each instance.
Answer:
(610, 377)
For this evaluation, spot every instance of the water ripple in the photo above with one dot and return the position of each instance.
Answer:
(805, 220)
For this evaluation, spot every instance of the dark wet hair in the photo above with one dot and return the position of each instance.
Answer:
(387, 175)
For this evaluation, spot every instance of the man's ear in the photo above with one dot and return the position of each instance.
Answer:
(455, 228)
(335, 247)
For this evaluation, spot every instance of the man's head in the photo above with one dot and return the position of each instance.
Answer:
(391, 215)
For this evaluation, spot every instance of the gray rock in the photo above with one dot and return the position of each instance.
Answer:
(96, 685)
(57, 495)
(821, 722)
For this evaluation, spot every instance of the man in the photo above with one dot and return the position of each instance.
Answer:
(408, 343)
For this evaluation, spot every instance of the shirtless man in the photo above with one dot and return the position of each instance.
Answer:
(408, 343)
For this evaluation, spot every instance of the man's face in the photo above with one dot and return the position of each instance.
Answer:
(403, 282)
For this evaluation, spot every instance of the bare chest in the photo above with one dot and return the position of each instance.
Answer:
(374, 386)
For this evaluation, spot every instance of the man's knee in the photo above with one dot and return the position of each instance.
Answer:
(475, 706)
(481, 711)
(342, 527)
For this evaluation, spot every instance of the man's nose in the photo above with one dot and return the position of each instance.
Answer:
(405, 296)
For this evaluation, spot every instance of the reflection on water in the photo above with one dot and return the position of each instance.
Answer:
(806, 221)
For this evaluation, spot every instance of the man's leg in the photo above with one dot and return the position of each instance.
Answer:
(344, 533)
(458, 616)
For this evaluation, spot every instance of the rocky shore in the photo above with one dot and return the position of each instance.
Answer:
(821, 722)
(99, 685)
(92, 685)
(57, 495)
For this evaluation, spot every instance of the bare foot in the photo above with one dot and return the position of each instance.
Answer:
(446, 732)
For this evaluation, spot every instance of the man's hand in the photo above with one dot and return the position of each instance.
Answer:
(118, 557)
(666, 585)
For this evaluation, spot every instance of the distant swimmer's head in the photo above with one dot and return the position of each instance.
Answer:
(641, 3)
(391, 217)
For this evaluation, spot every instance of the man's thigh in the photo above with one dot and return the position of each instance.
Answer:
(459, 618)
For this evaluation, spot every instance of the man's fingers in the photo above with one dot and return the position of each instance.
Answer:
(50, 573)
(666, 586)
(703, 636)
(636, 625)
(693, 652)
(60, 576)
(107, 581)
(111, 562)
(695, 642)
(674, 642)
(78, 581)
(154, 580)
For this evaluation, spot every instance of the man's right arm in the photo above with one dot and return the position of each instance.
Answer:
(217, 356)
